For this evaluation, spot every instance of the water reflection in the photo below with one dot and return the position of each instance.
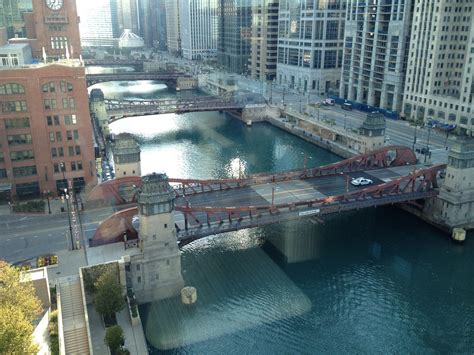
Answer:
(108, 70)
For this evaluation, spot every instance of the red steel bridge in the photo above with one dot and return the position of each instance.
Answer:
(166, 77)
(118, 109)
(207, 207)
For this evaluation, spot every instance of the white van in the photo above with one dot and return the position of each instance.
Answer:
(329, 102)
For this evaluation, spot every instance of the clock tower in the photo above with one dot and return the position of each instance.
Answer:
(54, 26)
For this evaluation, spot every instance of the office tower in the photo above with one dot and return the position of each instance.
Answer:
(48, 24)
(440, 76)
(199, 22)
(126, 16)
(152, 16)
(173, 34)
(264, 42)
(96, 23)
(310, 41)
(160, 30)
(375, 52)
(233, 50)
(46, 139)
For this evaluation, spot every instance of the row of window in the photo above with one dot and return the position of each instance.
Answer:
(64, 86)
(22, 122)
(57, 136)
(68, 120)
(74, 166)
(51, 104)
(59, 151)
(12, 89)
(13, 106)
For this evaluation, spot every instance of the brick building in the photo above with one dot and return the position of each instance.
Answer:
(44, 123)
(46, 136)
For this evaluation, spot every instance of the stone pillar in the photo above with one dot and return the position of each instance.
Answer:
(156, 272)
(98, 109)
(454, 205)
(126, 156)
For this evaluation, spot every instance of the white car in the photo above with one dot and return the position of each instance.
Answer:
(361, 181)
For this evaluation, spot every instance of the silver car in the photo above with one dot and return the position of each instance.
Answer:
(361, 181)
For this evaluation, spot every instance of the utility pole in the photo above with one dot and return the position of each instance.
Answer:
(414, 137)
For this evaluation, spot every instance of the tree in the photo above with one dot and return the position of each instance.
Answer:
(108, 297)
(19, 307)
(114, 338)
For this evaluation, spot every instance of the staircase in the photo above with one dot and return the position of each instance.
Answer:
(74, 328)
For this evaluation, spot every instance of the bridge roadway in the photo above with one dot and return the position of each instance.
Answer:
(263, 196)
(118, 109)
(205, 207)
(130, 76)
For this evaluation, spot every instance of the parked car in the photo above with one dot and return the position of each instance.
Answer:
(346, 106)
(361, 181)
(329, 102)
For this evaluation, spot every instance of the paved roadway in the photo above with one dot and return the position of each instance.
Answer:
(23, 237)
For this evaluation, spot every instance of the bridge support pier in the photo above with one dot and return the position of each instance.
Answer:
(297, 248)
(156, 272)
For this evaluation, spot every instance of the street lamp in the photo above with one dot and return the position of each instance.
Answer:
(66, 196)
(46, 192)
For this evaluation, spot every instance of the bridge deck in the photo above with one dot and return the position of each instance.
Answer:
(285, 191)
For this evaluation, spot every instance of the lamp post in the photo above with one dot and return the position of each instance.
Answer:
(414, 137)
(66, 196)
(46, 192)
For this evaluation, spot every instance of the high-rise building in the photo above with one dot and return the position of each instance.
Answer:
(173, 35)
(152, 16)
(46, 140)
(96, 23)
(235, 30)
(48, 24)
(199, 23)
(310, 42)
(264, 42)
(440, 76)
(127, 16)
(375, 52)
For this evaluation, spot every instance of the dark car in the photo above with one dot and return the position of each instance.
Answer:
(346, 106)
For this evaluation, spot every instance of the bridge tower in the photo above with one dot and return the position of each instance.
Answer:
(126, 156)
(156, 271)
(373, 131)
(454, 205)
(99, 111)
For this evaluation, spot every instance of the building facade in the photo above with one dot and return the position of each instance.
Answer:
(51, 25)
(440, 78)
(199, 24)
(173, 30)
(127, 16)
(45, 131)
(375, 52)
(96, 23)
(264, 40)
(310, 42)
(235, 31)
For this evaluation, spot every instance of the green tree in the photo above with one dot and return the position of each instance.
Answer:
(108, 297)
(19, 307)
(114, 338)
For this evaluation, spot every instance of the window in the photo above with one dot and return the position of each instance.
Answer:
(69, 135)
(70, 119)
(22, 155)
(24, 171)
(71, 151)
(56, 168)
(50, 104)
(19, 139)
(2, 157)
(59, 42)
(12, 89)
(65, 86)
(13, 106)
(78, 150)
(3, 173)
(22, 122)
(54, 152)
(49, 87)
(60, 151)
(51, 136)
(52, 120)
(76, 134)
(59, 137)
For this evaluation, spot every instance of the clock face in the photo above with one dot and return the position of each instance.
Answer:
(54, 4)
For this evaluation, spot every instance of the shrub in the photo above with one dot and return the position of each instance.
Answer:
(53, 333)
(30, 206)
(114, 338)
